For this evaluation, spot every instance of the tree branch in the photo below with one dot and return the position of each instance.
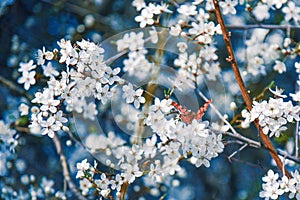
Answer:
(14, 88)
(243, 139)
(65, 168)
(263, 26)
(243, 89)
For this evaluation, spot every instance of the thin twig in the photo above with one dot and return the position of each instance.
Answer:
(65, 168)
(217, 112)
(240, 149)
(263, 26)
(14, 88)
(243, 89)
(257, 145)
(243, 139)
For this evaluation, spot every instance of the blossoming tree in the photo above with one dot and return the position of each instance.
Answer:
(149, 102)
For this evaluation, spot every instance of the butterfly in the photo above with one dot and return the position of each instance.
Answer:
(188, 116)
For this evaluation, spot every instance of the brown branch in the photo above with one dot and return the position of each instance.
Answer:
(14, 88)
(65, 168)
(243, 139)
(243, 89)
(123, 191)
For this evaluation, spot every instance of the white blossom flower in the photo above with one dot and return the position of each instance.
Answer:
(277, 3)
(197, 28)
(297, 66)
(111, 75)
(228, 6)
(163, 105)
(271, 187)
(47, 185)
(85, 186)
(175, 30)
(82, 167)
(130, 172)
(49, 70)
(156, 172)
(208, 53)
(187, 10)
(27, 78)
(26, 66)
(202, 15)
(49, 127)
(133, 96)
(103, 93)
(6, 133)
(153, 35)
(202, 160)
(261, 12)
(116, 183)
(296, 96)
(139, 4)
(278, 92)
(24, 109)
(279, 66)
(60, 120)
(292, 11)
(41, 56)
(154, 8)
(103, 182)
(163, 7)
(69, 55)
(90, 111)
(133, 41)
(182, 46)
(171, 150)
(273, 115)
(146, 18)
(49, 104)
(199, 128)
(44, 55)
(170, 166)
(149, 147)
(156, 120)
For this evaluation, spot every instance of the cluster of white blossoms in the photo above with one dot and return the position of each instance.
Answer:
(202, 63)
(86, 75)
(274, 187)
(134, 44)
(195, 139)
(173, 138)
(273, 115)
(191, 23)
(260, 53)
(149, 12)
(158, 156)
(290, 9)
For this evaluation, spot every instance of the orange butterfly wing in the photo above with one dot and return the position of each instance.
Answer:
(187, 116)
(201, 111)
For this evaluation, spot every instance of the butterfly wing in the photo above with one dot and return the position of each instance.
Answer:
(200, 113)
(185, 115)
